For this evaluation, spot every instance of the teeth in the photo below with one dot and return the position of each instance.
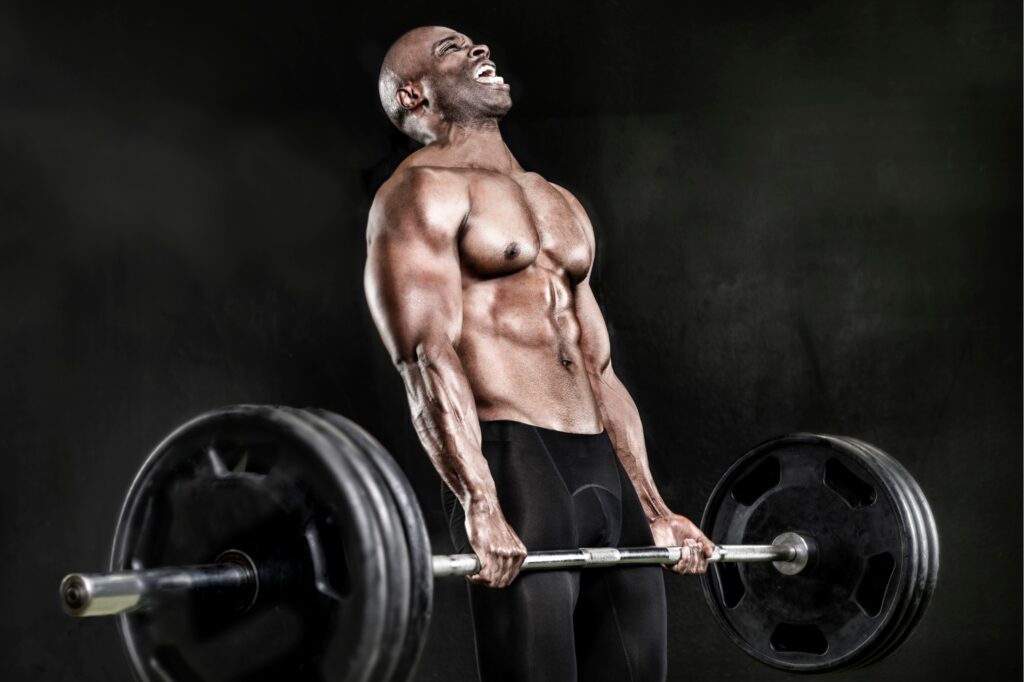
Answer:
(491, 79)
(485, 71)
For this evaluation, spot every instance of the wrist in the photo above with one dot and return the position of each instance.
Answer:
(481, 503)
(478, 491)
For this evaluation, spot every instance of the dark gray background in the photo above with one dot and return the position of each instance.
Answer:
(808, 218)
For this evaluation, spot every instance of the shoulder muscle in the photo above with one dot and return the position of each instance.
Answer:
(420, 203)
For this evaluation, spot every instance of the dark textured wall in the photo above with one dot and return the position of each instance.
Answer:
(808, 218)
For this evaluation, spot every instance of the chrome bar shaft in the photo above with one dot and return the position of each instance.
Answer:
(468, 564)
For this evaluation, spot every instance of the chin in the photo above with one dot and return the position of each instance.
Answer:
(494, 107)
(504, 102)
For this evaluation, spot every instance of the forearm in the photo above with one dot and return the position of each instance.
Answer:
(622, 422)
(444, 416)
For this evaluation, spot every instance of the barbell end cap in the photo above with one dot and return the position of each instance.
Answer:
(81, 597)
(802, 547)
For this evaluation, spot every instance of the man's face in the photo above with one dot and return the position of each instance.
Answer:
(460, 76)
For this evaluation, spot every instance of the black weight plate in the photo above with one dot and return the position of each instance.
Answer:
(930, 570)
(931, 580)
(837, 610)
(260, 480)
(420, 553)
(380, 500)
(908, 607)
(903, 611)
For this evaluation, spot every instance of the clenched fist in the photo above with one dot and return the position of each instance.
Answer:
(674, 530)
(496, 545)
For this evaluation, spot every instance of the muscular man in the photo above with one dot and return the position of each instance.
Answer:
(477, 276)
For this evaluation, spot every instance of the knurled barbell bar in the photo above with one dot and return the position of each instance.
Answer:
(262, 542)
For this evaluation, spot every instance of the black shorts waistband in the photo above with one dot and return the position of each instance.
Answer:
(509, 429)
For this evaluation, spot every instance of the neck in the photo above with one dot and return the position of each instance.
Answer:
(476, 144)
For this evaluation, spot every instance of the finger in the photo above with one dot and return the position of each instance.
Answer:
(516, 561)
(683, 565)
(699, 563)
(504, 573)
(511, 568)
(488, 575)
(485, 576)
(695, 553)
(686, 562)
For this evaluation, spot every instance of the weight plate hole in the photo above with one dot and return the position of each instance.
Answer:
(871, 590)
(730, 583)
(803, 639)
(230, 460)
(763, 478)
(330, 562)
(853, 489)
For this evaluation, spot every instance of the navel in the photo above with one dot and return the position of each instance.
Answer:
(563, 355)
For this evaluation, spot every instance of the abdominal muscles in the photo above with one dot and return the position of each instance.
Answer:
(520, 350)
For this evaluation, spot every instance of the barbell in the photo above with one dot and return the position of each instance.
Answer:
(266, 542)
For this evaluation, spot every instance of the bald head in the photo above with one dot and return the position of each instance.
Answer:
(402, 65)
(428, 76)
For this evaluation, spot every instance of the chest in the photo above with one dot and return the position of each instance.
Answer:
(517, 222)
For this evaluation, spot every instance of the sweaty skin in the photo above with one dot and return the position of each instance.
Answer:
(477, 277)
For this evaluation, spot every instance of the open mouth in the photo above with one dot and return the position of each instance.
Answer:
(486, 73)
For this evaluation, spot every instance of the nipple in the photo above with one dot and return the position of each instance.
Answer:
(512, 250)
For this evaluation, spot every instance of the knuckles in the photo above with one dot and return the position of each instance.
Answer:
(500, 566)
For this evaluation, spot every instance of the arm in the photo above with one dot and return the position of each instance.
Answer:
(622, 421)
(413, 287)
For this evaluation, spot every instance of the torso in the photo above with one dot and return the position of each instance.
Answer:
(522, 251)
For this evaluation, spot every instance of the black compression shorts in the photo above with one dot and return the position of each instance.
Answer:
(565, 490)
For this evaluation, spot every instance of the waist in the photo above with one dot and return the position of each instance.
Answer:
(580, 459)
(536, 384)
(509, 429)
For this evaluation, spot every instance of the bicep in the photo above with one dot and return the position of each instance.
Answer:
(414, 294)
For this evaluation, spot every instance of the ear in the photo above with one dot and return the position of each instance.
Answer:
(410, 96)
